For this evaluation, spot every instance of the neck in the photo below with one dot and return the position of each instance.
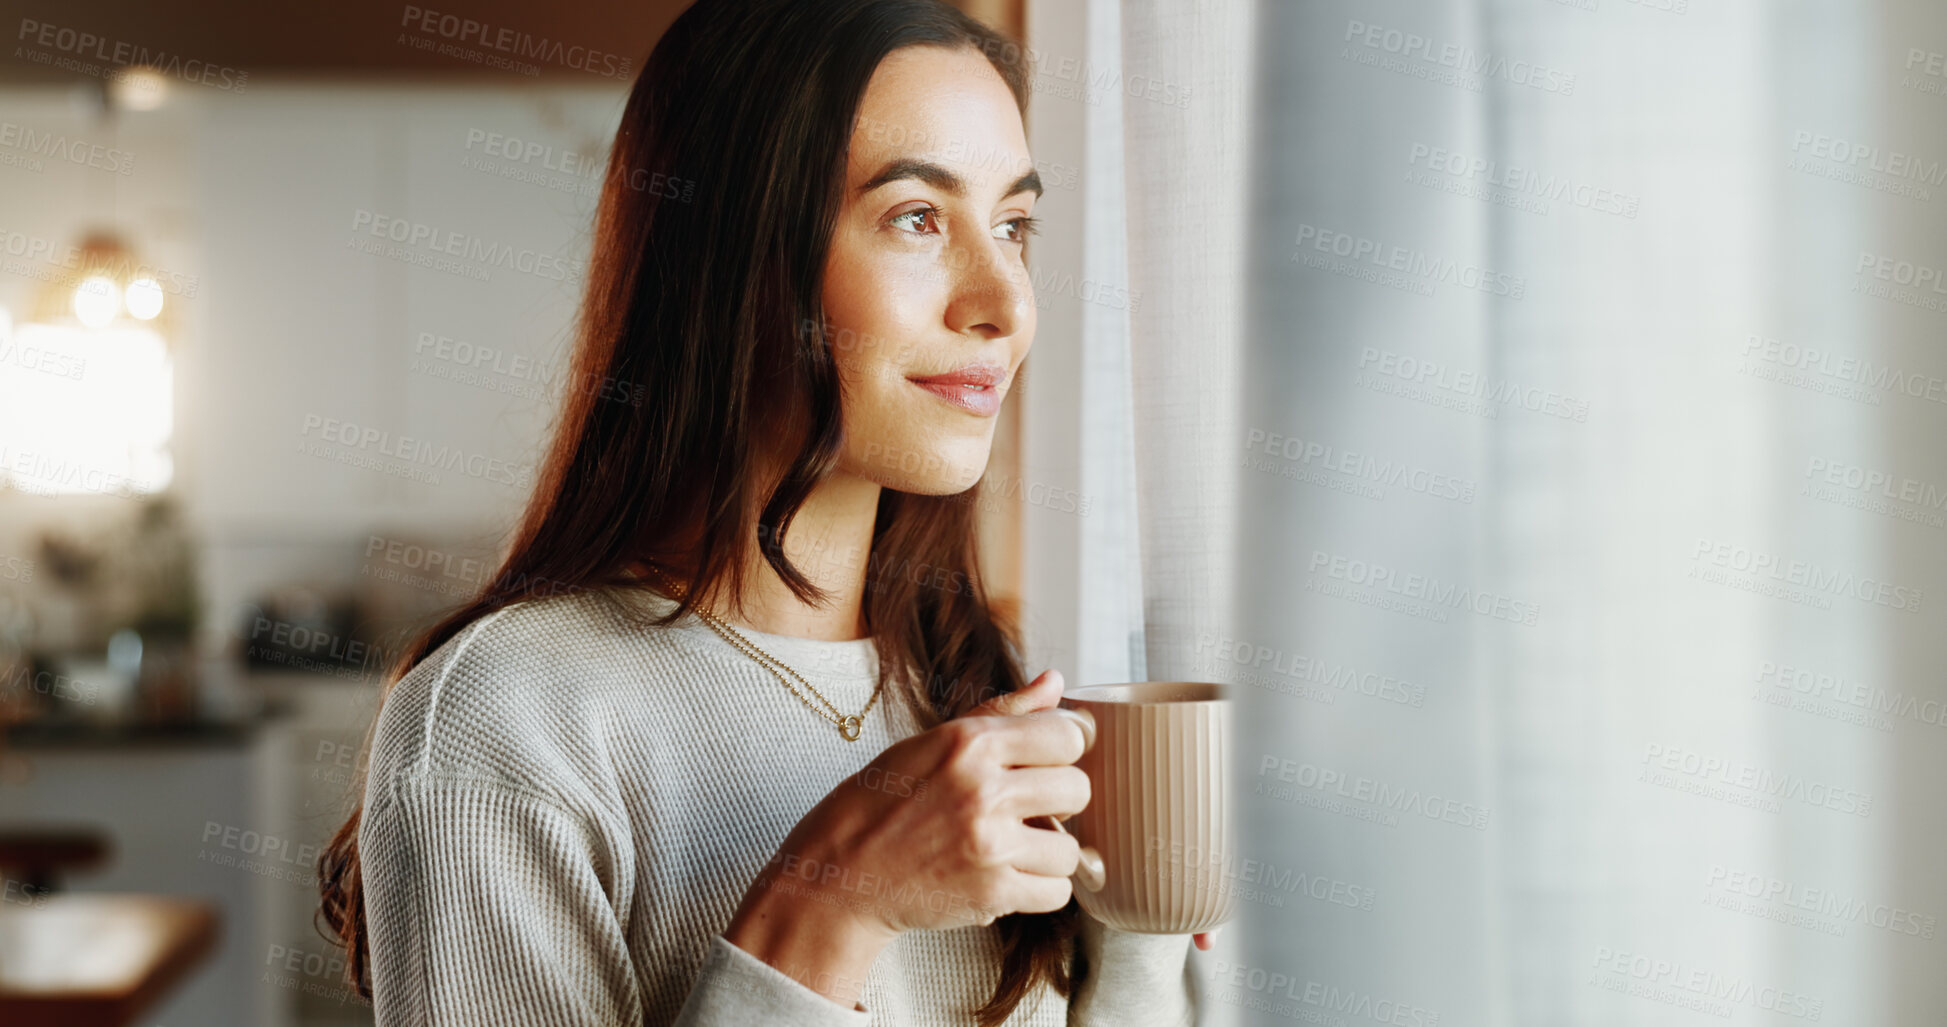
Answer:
(828, 542)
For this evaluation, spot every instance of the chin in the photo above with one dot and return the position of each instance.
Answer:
(926, 468)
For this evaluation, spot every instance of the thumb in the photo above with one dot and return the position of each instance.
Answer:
(1042, 693)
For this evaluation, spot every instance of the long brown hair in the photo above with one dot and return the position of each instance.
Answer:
(701, 340)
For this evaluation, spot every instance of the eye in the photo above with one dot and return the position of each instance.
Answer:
(1018, 229)
(930, 216)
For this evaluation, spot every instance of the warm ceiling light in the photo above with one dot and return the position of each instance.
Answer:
(109, 287)
(97, 301)
(144, 299)
(139, 89)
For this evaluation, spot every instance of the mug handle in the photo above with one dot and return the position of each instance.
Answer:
(1090, 873)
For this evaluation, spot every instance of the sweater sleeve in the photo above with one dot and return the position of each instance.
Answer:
(735, 988)
(1134, 980)
(486, 904)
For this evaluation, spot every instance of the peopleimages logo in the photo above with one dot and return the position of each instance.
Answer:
(1420, 588)
(419, 459)
(1682, 769)
(1822, 902)
(1459, 382)
(76, 46)
(1676, 983)
(1865, 157)
(1902, 272)
(1835, 371)
(1521, 181)
(1866, 697)
(1361, 466)
(39, 258)
(426, 245)
(1458, 60)
(1295, 997)
(1222, 650)
(1251, 879)
(1875, 491)
(1925, 71)
(1404, 260)
(1796, 580)
(1274, 770)
(1916, 285)
(60, 148)
(524, 45)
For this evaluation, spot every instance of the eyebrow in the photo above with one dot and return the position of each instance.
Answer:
(942, 178)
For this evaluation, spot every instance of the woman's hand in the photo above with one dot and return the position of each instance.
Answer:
(931, 834)
(1033, 699)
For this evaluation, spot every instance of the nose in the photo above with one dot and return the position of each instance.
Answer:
(991, 296)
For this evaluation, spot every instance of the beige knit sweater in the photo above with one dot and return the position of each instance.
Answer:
(565, 807)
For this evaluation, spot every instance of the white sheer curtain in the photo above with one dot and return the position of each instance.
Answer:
(1570, 507)
(1133, 388)
(1141, 330)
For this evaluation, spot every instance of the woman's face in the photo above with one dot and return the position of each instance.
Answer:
(926, 293)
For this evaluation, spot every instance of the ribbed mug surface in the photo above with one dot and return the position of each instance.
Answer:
(1160, 809)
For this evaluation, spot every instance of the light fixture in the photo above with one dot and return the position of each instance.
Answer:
(97, 300)
(109, 286)
(143, 298)
(87, 406)
(138, 88)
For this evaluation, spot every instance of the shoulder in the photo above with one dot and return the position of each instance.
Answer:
(519, 699)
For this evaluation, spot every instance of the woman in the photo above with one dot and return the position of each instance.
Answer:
(734, 737)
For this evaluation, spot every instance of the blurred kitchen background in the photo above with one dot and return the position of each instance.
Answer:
(1530, 408)
(251, 430)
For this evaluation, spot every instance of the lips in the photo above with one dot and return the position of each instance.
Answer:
(974, 388)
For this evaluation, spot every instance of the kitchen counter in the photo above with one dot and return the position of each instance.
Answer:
(79, 733)
(225, 707)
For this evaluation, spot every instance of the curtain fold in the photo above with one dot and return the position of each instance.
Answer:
(1534, 412)
(1158, 95)
(1591, 514)
(1185, 107)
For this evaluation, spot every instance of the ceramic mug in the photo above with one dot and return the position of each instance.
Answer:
(1160, 810)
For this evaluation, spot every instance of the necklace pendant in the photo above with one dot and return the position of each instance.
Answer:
(848, 727)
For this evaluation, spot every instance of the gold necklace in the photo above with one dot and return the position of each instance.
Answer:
(848, 726)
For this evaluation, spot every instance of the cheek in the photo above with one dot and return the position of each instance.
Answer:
(883, 293)
(884, 302)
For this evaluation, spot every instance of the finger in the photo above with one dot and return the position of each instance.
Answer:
(1041, 893)
(1051, 791)
(1044, 739)
(1044, 852)
(1040, 694)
